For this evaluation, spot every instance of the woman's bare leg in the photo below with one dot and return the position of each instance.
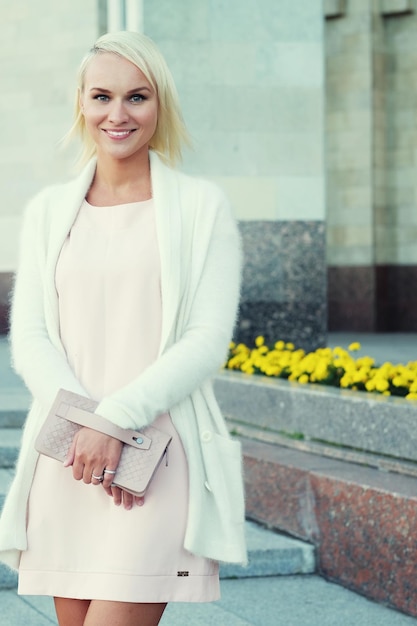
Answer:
(71, 612)
(103, 613)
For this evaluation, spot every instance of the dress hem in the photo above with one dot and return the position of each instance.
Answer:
(120, 587)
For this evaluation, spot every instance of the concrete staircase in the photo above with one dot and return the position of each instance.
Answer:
(270, 554)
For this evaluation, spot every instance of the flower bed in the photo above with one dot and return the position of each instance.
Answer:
(334, 367)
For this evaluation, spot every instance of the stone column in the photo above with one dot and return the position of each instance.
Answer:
(371, 52)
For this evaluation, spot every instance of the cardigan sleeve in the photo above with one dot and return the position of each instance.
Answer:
(43, 366)
(206, 318)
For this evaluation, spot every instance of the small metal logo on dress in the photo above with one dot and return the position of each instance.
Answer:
(183, 573)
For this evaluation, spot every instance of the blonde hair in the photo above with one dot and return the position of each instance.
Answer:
(171, 134)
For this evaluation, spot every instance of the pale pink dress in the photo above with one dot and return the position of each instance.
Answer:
(80, 545)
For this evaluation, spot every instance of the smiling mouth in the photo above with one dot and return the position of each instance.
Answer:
(119, 134)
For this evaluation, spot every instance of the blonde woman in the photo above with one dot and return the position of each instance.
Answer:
(126, 292)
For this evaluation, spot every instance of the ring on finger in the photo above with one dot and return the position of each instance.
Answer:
(99, 478)
(107, 471)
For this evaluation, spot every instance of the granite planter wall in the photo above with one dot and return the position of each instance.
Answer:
(357, 420)
(362, 521)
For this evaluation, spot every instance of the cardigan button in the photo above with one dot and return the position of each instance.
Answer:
(206, 436)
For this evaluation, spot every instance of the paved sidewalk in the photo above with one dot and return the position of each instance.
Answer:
(287, 601)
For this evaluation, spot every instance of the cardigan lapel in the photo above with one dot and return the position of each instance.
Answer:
(67, 202)
(166, 195)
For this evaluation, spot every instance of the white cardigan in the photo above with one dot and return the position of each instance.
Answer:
(200, 273)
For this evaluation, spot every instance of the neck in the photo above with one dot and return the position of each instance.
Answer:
(123, 179)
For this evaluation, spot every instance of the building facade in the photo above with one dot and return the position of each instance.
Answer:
(251, 81)
(304, 112)
(371, 161)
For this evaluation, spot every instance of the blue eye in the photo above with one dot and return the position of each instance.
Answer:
(137, 97)
(101, 97)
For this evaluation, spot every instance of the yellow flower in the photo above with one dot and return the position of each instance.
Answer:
(370, 385)
(345, 381)
(349, 367)
(272, 371)
(334, 366)
(381, 385)
(360, 376)
(365, 361)
(338, 351)
(321, 372)
(247, 367)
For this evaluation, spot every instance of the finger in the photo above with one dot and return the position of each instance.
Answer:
(96, 478)
(127, 500)
(108, 477)
(117, 495)
(140, 500)
(108, 490)
(69, 459)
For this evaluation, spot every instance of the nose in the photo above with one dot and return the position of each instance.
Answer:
(118, 113)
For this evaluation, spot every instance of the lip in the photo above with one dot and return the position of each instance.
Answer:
(118, 135)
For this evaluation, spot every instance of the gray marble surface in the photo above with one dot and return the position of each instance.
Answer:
(284, 283)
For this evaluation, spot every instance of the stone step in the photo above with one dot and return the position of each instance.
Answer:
(5, 479)
(8, 578)
(361, 520)
(9, 446)
(270, 554)
(14, 405)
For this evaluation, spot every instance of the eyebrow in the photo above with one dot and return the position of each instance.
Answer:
(137, 90)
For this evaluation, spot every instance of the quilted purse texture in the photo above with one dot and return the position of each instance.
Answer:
(142, 452)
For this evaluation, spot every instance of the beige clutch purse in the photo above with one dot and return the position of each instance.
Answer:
(142, 452)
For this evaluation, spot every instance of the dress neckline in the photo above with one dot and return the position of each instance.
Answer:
(118, 216)
(122, 204)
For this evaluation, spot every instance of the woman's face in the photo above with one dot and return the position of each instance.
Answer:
(120, 107)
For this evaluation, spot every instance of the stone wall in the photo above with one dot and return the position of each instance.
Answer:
(250, 77)
(39, 52)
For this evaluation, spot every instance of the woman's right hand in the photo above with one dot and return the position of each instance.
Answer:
(120, 496)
